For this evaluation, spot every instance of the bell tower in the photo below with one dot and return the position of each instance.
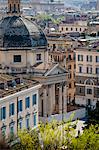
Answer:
(14, 7)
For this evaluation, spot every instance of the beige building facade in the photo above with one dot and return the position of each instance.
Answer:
(87, 76)
(76, 27)
(61, 51)
(22, 61)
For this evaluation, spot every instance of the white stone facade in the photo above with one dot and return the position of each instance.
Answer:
(21, 116)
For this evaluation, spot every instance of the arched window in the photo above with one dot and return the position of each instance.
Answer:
(10, 7)
(89, 82)
(18, 7)
(14, 8)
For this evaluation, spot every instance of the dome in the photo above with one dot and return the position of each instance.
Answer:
(20, 32)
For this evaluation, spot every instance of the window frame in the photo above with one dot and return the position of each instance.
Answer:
(11, 109)
(27, 102)
(34, 99)
(15, 60)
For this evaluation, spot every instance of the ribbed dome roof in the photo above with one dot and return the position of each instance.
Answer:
(20, 32)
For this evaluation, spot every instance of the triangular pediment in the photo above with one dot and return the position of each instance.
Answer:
(56, 70)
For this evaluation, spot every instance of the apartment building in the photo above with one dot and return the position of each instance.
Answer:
(18, 104)
(87, 76)
(61, 50)
(75, 27)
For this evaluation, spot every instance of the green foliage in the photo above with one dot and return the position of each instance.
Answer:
(94, 115)
(28, 141)
(51, 135)
(46, 18)
(89, 140)
(55, 135)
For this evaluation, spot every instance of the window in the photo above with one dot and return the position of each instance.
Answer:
(34, 99)
(35, 119)
(3, 113)
(38, 57)
(20, 124)
(69, 67)
(14, 8)
(89, 58)
(27, 102)
(97, 70)
(70, 85)
(58, 59)
(17, 58)
(19, 105)
(71, 29)
(74, 66)
(27, 123)
(74, 57)
(54, 46)
(62, 28)
(69, 76)
(76, 29)
(89, 70)
(89, 91)
(11, 109)
(69, 57)
(97, 58)
(11, 129)
(66, 29)
(89, 101)
(80, 69)
(80, 29)
(18, 7)
(80, 57)
(80, 90)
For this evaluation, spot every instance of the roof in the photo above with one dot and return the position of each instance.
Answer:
(46, 68)
(12, 84)
(16, 31)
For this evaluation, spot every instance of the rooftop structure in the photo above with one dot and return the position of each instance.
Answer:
(12, 84)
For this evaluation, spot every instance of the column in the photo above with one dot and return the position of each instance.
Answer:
(45, 102)
(60, 99)
(50, 100)
(65, 99)
(53, 96)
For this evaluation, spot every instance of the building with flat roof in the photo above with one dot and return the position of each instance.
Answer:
(87, 76)
(75, 28)
(18, 104)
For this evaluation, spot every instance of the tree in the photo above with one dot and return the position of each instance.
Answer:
(28, 141)
(89, 140)
(57, 135)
